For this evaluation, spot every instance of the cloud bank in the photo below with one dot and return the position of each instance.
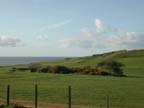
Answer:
(9, 41)
(104, 37)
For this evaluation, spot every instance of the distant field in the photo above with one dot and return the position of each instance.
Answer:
(87, 90)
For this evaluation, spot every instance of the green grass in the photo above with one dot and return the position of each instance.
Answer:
(124, 92)
(93, 60)
(87, 90)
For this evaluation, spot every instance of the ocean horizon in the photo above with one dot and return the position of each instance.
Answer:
(5, 61)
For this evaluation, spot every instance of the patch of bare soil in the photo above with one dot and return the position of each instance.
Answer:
(30, 104)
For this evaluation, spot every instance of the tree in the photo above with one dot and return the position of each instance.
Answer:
(112, 67)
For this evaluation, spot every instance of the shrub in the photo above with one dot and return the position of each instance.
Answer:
(34, 67)
(45, 69)
(104, 73)
(13, 69)
(103, 68)
(112, 67)
(86, 70)
(22, 69)
(60, 69)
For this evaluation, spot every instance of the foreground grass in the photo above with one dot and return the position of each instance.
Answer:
(124, 92)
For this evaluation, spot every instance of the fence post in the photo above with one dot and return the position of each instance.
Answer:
(69, 96)
(36, 95)
(8, 94)
(107, 102)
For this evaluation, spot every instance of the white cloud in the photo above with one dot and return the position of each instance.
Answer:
(101, 27)
(90, 32)
(9, 41)
(129, 40)
(104, 37)
(75, 42)
(42, 37)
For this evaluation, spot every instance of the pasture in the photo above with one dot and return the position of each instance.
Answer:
(87, 90)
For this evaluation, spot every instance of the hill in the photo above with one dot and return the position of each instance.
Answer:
(87, 90)
(94, 59)
(133, 60)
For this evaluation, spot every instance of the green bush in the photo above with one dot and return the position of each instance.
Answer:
(112, 67)
(45, 69)
(35, 67)
(103, 68)
(60, 69)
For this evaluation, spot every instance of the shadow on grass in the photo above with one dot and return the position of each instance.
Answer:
(134, 76)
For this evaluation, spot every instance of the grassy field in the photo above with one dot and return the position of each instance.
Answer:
(87, 90)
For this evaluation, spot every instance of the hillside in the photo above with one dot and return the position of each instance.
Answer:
(94, 59)
(87, 90)
(132, 59)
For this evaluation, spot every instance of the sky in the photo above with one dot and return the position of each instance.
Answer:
(56, 28)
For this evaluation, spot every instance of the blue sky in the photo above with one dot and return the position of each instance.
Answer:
(70, 27)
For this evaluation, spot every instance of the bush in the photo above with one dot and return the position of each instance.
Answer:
(103, 68)
(89, 70)
(112, 67)
(60, 69)
(34, 67)
(13, 69)
(104, 73)
(45, 69)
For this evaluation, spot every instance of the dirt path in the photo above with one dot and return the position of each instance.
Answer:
(30, 104)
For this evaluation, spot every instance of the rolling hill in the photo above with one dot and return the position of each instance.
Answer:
(133, 60)
(87, 90)
(121, 55)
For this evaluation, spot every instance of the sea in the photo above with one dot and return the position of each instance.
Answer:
(4, 61)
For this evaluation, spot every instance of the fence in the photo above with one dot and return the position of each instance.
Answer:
(69, 99)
